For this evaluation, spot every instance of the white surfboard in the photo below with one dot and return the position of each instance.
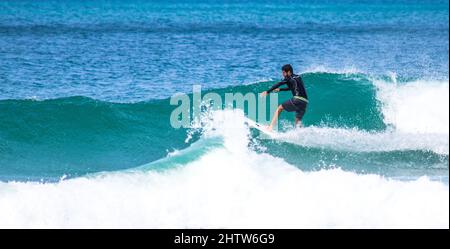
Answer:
(260, 127)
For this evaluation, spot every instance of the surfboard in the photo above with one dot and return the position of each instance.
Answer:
(259, 127)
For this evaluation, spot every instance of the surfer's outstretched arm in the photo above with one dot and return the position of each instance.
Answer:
(277, 85)
(275, 88)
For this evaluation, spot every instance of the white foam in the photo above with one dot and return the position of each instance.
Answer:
(230, 186)
(325, 69)
(223, 190)
(415, 107)
(363, 141)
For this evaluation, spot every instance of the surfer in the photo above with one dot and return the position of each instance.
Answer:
(299, 100)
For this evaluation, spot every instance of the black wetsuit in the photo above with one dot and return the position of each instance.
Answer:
(299, 101)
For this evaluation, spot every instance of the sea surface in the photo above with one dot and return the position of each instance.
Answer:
(86, 138)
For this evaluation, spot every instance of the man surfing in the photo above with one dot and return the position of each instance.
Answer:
(299, 100)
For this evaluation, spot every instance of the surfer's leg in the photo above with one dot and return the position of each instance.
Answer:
(298, 122)
(298, 118)
(275, 117)
(301, 109)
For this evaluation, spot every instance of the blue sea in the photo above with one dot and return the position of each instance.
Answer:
(86, 139)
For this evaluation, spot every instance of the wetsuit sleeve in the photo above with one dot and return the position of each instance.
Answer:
(276, 86)
(284, 89)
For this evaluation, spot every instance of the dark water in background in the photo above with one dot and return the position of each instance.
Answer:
(125, 51)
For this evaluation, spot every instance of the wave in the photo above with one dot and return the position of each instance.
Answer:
(416, 107)
(77, 135)
(229, 185)
(348, 112)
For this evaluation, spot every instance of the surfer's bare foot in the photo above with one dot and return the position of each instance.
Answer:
(269, 128)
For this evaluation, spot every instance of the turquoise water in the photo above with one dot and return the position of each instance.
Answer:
(85, 91)
(73, 136)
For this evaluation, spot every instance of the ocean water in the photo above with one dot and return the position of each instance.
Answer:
(86, 140)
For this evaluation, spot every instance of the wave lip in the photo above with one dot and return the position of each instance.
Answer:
(420, 106)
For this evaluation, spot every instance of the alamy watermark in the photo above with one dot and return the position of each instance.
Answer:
(190, 106)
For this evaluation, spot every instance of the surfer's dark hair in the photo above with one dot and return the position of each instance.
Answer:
(287, 68)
